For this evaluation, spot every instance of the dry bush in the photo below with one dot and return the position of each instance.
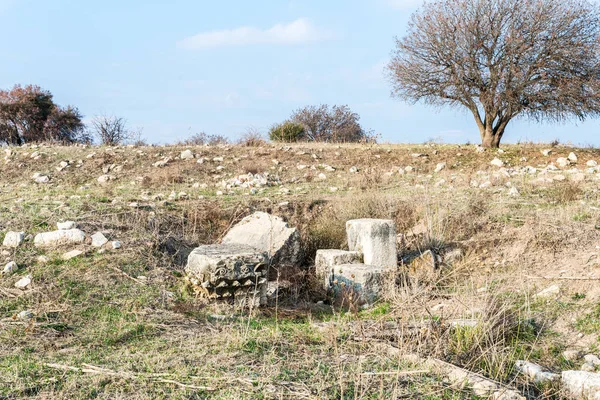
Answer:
(327, 230)
(252, 138)
(564, 192)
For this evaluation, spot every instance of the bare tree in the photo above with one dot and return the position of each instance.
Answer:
(110, 130)
(501, 59)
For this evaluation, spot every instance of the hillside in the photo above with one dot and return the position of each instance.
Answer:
(124, 323)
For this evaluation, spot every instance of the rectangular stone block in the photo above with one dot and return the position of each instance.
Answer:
(375, 239)
(325, 260)
(365, 281)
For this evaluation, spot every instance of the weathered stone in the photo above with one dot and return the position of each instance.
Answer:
(571, 355)
(71, 236)
(562, 162)
(25, 315)
(229, 271)
(581, 384)
(572, 157)
(550, 291)
(98, 239)
(10, 268)
(116, 245)
(326, 260)
(497, 162)
(535, 372)
(13, 239)
(440, 167)
(23, 282)
(375, 239)
(269, 234)
(186, 155)
(63, 226)
(364, 281)
(71, 254)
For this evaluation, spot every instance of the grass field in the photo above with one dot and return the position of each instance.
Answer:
(122, 324)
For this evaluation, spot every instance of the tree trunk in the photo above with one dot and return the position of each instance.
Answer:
(490, 138)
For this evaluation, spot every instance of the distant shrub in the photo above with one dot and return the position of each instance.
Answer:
(202, 138)
(252, 138)
(288, 132)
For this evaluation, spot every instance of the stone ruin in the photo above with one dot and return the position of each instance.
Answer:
(363, 269)
(238, 268)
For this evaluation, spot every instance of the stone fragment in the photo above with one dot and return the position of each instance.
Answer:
(71, 254)
(572, 157)
(98, 239)
(13, 239)
(43, 259)
(375, 239)
(359, 280)
(25, 315)
(116, 245)
(186, 155)
(269, 234)
(55, 238)
(592, 163)
(592, 359)
(353, 169)
(497, 162)
(10, 268)
(104, 179)
(229, 271)
(550, 291)
(326, 260)
(546, 152)
(63, 226)
(23, 282)
(440, 167)
(562, 162)
(535, 372)
(571, 355)
(581, 384)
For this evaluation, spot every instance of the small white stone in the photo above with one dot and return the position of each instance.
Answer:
(186, 155)
(550, 291)
(440, 167)
(562, 162)
(71, 254)
(116, 244)
(13, 239)
(10, 268)
(353, 169)
(23, 282)
(497, 162)
(99, 240)
(322, 176)
(591, 163)
(514, 192)
(43, 259)
(546, 152)
(572, 157)
(63, 226)
(25, 315)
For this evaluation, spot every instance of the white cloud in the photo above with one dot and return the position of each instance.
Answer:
(297, 32)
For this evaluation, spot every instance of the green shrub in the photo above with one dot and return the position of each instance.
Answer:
(287, 131)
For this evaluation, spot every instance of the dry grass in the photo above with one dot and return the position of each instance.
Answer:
(141, 321)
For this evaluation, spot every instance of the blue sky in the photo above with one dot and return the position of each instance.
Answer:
(178, 67)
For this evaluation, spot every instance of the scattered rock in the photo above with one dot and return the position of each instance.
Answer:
(591, 163)
(99, 240)
(38, 178)
(13, 239)
(186, 155)
(375, 239)
(440, 167)
(550, 291)
(23, 282)
(104, 179)
(269, 234)
(535, 372)
(546, 152)
(562, 162)
(514, 192)
(116, 245)
(55, 238)
(592, 359)
(71, 254)
(581, 384)
(497, 162)
(353, 169)
(25, 315)
(63, 226)
(572, 157)
(10, 268)
(43, 259)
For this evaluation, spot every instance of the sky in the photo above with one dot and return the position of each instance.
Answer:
(179, 67)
